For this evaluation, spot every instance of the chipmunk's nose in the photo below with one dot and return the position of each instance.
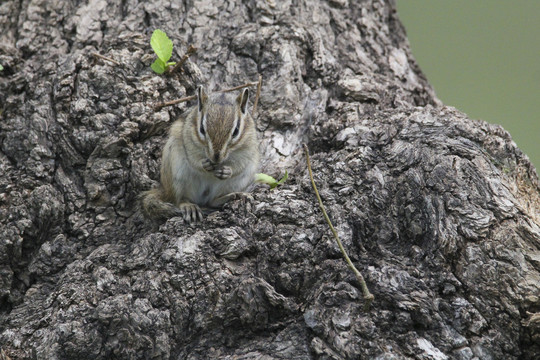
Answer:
(217, 157)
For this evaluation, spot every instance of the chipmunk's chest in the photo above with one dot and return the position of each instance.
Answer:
(198, 187)
(205, 191)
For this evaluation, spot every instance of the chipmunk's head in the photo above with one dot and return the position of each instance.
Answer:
(221, 122)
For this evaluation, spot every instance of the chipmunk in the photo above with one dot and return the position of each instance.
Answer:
(211, 157)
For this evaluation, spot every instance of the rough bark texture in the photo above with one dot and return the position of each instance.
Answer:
(440, 212)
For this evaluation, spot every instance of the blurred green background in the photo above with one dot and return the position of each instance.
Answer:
(483, 57)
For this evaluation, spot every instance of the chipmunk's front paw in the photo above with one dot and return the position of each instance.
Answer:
(190, 212)
(208, 165)
(223, 172)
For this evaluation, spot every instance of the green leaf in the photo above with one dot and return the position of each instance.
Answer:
(1, 68)
(265, 179)
(158, 66)
(268, 180)
(162, 45)
(283, 179)
(171, 63)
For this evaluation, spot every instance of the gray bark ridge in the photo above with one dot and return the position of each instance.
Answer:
(438, 211)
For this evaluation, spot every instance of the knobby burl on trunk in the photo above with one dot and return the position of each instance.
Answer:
(438, 211)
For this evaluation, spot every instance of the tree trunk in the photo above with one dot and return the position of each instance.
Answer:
(438, 211)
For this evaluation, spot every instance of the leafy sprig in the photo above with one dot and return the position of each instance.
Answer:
(163, 47)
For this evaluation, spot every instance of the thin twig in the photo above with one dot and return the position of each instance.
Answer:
(368, 297)
(158, 106)
(174, 102)
(239, 87)
(190, 51)
(106, 58)
(259, 85)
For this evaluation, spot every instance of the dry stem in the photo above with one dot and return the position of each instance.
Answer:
(106, 58)
(259, 85)
(174, 102)
(158, 106)
(190, 51)
(239, 87)
(368, 297)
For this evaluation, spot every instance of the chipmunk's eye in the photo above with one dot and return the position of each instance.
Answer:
(236, 130)
(201, 129)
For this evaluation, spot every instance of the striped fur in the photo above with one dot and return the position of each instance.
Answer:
(184, 178)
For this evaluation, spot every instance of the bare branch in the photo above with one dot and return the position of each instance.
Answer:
(256, 101)
(158, 106)
(106, 58)
(368, 297)
(174, 102)
(190, 51)
(239, 87)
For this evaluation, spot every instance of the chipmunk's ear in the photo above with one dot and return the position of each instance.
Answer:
(201, 97)
(242, 100)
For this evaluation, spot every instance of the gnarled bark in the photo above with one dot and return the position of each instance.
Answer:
(439, 212)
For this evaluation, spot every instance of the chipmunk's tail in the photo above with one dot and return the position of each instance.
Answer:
(154, 207)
